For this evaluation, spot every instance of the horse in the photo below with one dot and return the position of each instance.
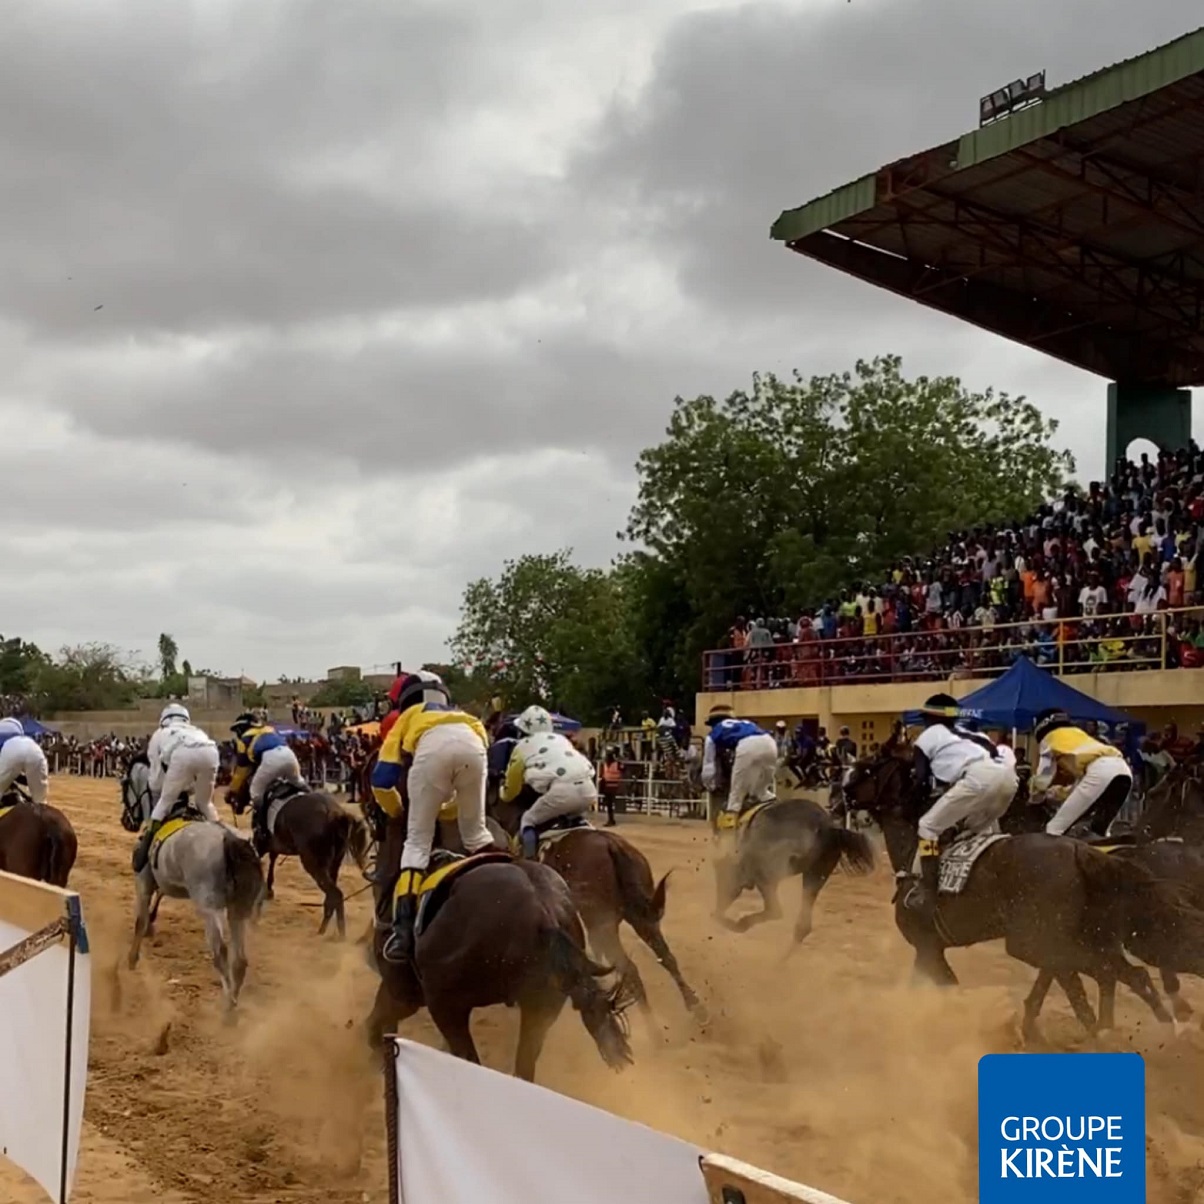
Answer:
(137, 798)
(506, 932)
(36, 840)
(1058, 904)
(780, 840)
(610, 881)
(220, 872)
(311, 825)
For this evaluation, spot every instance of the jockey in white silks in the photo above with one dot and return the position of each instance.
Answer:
(978, 782)
(182, 759)
(753, 757)
(547, 763)
(22, 755)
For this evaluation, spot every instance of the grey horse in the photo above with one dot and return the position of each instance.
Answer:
(220, 872)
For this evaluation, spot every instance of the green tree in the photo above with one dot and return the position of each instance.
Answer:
(169, 652)
(774, 499)
(549, 631)
(86, 677)
(343, 693)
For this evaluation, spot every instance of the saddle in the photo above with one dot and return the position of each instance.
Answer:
(14, 797)
(280, 790)
(180, 816)
(728, 821)
(436, 886)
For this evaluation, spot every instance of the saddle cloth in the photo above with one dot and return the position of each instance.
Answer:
(957, 861)
(7, 808)
(727, 821)
(549, 839)
(170, 827)
(435, 886)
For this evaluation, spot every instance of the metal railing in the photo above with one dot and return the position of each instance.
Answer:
(1101, 643)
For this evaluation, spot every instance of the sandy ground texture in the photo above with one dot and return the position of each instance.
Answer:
(829, 1067)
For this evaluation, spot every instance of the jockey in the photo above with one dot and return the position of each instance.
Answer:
(1100, 775)
(978, 784)
(22, 755)
(753, 758)
(181, 759)
(444, 749)
(547, 763)
(263, 754)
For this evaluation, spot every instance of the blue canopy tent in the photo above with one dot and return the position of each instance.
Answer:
(1014, 701)
(34, 728)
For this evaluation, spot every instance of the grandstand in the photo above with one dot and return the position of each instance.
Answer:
(1075, 226)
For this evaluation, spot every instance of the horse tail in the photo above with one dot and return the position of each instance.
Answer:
(641, 900)
(601, 1011)
(244, 877)
(355, 840)
(58, 851)
(854, 848)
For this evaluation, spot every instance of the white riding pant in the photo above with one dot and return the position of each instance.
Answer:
(754, 770)
(449, 763)
(23, 755)
(276, 765)
(973, 803)
(191, 770)
(561, 798)
(1097, 777)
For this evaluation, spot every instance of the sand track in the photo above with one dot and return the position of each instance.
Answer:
(827, 1067)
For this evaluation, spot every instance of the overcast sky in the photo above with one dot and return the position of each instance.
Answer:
(311, 312)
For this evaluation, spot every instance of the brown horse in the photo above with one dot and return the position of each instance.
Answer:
(311, 825)
(505, 932)
(36, 840)
(611, 881)
(1058, 905)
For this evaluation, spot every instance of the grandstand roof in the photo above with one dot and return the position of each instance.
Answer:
(1074, 226)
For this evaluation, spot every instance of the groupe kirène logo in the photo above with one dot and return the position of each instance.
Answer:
(1061, 1127)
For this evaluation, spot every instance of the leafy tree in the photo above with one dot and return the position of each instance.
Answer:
(348, 693)
(548, 631)
(169, 652)
(86, 677)
(774, 499)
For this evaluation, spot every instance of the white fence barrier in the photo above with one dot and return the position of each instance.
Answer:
(45, 1000)
(462, 1134)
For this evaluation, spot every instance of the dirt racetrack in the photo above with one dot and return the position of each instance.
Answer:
(829, 1068)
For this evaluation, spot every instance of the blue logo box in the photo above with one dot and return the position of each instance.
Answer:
(1068, 1128)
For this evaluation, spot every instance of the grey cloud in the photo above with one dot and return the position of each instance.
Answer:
(186, 173)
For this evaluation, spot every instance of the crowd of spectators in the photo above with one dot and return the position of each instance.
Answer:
(1084, 583)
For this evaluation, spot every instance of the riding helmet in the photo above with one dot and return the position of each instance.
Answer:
(174, 712)
(718, 713)
(940, 708)
(421, 688)
(244, 721)
(1050, 720)
(534, 719)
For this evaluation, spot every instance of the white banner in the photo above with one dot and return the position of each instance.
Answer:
(461, 1134)
(45, 1007)
(467, 1135)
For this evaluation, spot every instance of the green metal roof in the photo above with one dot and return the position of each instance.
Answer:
(1075, 225)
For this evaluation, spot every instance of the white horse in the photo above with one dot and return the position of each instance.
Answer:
(220, 872)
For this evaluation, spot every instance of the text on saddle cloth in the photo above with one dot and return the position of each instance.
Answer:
(433, 891)
(958, 860)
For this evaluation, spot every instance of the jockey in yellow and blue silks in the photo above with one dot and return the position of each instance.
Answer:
(262, 754)
(439, 751)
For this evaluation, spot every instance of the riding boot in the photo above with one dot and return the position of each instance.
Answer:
(399, 947)
(143, 847)
(530, 843)
(924, 899)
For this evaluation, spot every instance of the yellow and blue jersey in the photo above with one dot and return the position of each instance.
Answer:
(249, 749)
(411, 725)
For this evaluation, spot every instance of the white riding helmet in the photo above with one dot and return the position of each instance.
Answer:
(174, 713)
(11, 727)
(534, 719)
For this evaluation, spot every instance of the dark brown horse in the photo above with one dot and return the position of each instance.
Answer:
(507, 932)
(36, 840)
(1058, 905)
(784, 839)
(311, 825)
(611, 881)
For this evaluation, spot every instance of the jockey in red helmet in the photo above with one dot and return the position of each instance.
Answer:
(394, 696)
